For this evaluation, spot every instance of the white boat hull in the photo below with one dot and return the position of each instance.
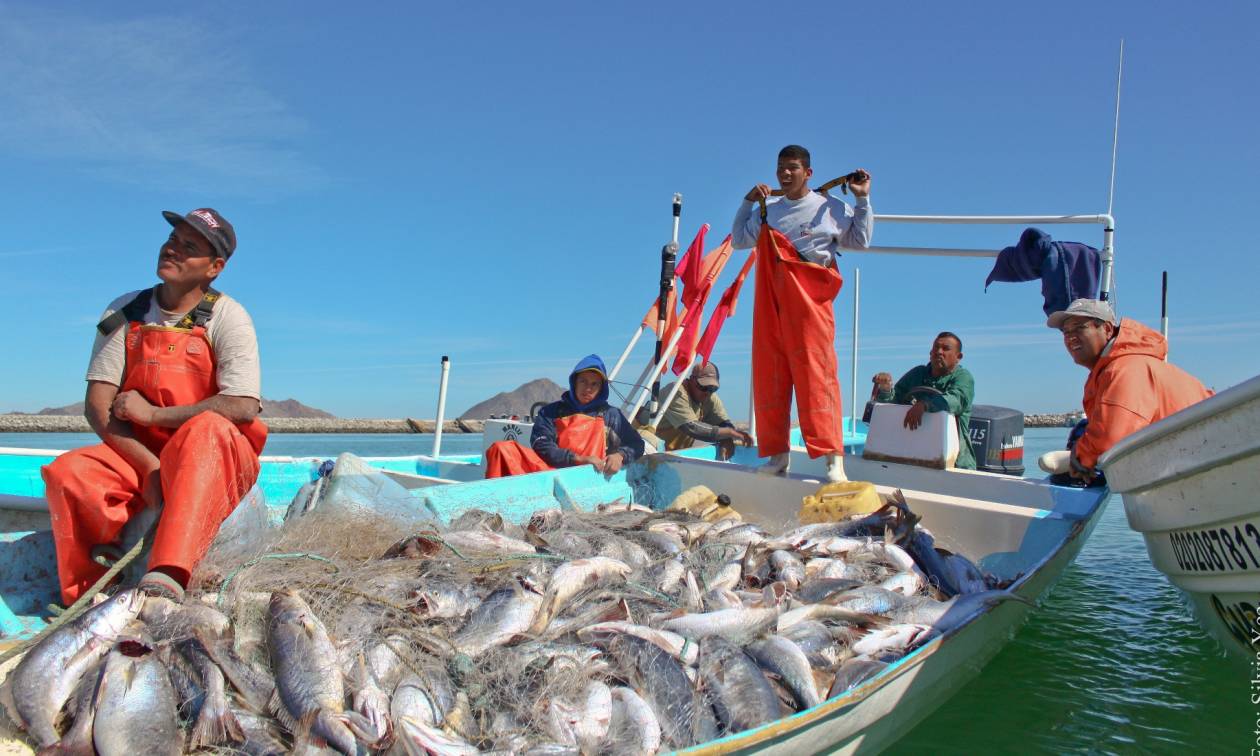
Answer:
(1191, 487)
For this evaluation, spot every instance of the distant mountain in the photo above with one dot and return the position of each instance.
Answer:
(516, 402)
(282, 408)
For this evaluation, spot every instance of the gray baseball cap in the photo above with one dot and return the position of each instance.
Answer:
(1084, 308)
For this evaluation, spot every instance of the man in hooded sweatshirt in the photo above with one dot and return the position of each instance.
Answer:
(1130, 385)
(580, 429)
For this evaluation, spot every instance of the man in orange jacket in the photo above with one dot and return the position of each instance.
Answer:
(1130, 385)
(174, 394)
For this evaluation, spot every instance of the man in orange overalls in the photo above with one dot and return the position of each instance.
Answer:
(797, 241)
(174, 394)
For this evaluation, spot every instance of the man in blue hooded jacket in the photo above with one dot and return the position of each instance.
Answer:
(580, 429)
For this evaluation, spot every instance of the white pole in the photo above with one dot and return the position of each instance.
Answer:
(656, 372)
(752, 406)
(656, 419)
(638, 332)
(857, 298)
(441, 413)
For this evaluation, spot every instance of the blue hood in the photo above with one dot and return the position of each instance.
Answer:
(589, 362)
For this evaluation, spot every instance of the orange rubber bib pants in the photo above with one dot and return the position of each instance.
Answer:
(580, 434)
(207, 465)
(794, 331)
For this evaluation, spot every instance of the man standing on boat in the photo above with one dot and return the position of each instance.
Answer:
(697, 415)
(942, 385)
(1130, 384)
(798, 238)
(174, 394)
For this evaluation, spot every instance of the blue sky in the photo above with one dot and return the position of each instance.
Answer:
(492, 181)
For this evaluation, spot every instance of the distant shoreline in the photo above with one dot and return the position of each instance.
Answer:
(76, 424)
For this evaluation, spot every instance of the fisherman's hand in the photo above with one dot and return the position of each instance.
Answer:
(583, 459)
(132, 407)
(744, 437)
(1079, 471)
(612, 463)
(914, 418)
(861, 188)
(883, 384)
(760, 191)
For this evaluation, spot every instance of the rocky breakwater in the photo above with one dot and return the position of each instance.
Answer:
(1053, 419)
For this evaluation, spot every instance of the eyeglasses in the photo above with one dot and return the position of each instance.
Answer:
(707, 389)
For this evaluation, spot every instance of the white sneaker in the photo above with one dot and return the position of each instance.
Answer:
(777, 464)
(835, 468)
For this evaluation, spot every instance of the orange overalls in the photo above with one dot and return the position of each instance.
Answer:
(207, 464)
(580, 434)
(794, 331)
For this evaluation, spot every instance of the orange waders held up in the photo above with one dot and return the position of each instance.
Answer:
(207, 465)
(580, 434)
(794, 331)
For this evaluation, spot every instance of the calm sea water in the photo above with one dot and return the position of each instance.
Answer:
(1110, 663)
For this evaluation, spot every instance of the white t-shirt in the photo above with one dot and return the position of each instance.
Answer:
(230, 332)
(819, 226)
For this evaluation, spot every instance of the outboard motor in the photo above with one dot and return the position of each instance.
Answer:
(997, 438)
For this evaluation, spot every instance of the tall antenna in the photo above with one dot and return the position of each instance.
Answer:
(1115, 132)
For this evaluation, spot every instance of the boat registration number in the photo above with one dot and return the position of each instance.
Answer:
(1223, 549)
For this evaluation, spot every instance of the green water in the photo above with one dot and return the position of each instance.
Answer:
(1110, 663)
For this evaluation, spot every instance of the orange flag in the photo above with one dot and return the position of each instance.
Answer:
(714, 262)
(724, 309)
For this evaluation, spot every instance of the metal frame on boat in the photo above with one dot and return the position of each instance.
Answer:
(1189, 484)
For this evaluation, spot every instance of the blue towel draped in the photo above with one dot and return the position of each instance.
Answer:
(1068, 270)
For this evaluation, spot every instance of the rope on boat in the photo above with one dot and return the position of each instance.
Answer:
(85, 601)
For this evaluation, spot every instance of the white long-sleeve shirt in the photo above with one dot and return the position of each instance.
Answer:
(818, 225)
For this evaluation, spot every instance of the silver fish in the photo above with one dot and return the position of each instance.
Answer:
(49, 673)
(503, 615)
(168, 620)
(135, 705)
(215, 723)
(368, 700)
(675, 645)
(737, 625)
(853, 673)
(572, 577)
(254, 685)
(816, 641)
(426, 699)
(783, 658)
(634, 729)
(788, 567)
(735, 686)
(444, 601)
(419, 739)
(309, 686)
(892, 638)
(659, 678)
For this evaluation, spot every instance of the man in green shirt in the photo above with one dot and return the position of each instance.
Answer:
(942, 385)
(697, 414)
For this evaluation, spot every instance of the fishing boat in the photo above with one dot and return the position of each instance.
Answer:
(1189, 484)
(1022, 531)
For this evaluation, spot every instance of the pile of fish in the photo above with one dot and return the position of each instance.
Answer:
(622, 631)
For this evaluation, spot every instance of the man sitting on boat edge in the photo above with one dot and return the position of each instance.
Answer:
(580, 429)
(1130, 383)
(174, 393)
(697, 414)
(942, 385)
